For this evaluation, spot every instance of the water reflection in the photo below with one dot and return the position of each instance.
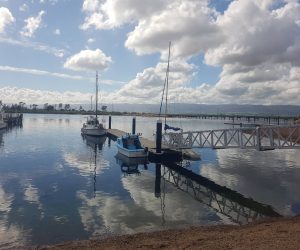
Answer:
(269, 177)
(96, 144)
(1, 138)
(57, 186)
(130, 165)
(230, 203)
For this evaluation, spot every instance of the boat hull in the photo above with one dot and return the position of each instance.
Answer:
(137, 153)
(93, 131)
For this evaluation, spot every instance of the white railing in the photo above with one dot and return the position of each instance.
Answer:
(260, 138)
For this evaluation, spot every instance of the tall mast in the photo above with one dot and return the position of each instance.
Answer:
(96, 95)
(167, 83)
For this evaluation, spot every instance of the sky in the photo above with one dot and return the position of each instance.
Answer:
(222, 51)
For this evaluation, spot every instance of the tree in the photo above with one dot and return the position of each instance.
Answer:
(67, 107)
(34, 106)
(50, 108)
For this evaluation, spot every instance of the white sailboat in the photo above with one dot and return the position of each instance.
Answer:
(2, 123)
(93, 127)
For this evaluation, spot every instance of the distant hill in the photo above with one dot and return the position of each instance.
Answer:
(183, 108)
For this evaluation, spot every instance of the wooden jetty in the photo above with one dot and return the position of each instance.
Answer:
(168, 154)
(13, 118)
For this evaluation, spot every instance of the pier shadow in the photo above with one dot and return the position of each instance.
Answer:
(223, 200)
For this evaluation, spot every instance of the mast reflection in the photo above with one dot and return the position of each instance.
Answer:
(96, 144)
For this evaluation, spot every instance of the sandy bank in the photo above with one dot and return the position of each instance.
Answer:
(270, 234)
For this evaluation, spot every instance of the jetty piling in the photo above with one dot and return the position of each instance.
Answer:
(133, 125)
(158, 136)
(109, 122)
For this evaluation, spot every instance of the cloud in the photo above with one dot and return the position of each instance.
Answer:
(115, 13)
(256, 43)
(6, 18)
(34, 45)
(56, 32)
(41, 72)
(148, 85)
(32, 24)
(91, 40)
(52, 2)
(23, 7)
(14, 95)
(88, 60)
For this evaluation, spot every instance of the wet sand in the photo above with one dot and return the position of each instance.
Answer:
(283, 233)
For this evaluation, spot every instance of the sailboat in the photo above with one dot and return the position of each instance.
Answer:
(2, 123)
(165, 94)
(93, 127)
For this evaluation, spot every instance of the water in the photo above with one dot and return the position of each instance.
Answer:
(56, 186)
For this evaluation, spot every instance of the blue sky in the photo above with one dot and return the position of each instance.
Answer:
(222, 51)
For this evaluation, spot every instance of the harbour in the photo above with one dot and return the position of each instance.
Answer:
(68, 179)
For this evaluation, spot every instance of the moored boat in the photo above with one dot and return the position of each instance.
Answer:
(2, 123)
(130, 146)
(93, 127)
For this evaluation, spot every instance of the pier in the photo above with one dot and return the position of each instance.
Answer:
(266, 119)
(13, 118)
(168, 154)
(259, 138)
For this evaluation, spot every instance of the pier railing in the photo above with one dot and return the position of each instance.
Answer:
(260, 138)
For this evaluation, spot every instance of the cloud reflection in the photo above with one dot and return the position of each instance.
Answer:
(268, 177)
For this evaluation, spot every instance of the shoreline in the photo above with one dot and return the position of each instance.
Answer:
(278, 233)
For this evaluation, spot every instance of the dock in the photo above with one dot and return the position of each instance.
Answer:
(168, 153)
(13, 118)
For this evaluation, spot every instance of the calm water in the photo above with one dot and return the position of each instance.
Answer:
(57, 186)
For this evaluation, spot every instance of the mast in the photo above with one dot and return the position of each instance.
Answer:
(167, 84)
(96, 95)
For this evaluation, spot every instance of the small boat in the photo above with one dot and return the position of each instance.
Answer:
(130, 146)
(93, 127)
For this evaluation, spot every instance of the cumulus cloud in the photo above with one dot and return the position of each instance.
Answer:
(256, 43)
(88, 60)
(6, 18)
(115, 13)
(32, 24)
(148, 85)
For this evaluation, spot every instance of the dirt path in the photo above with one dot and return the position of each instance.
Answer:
(271, 234)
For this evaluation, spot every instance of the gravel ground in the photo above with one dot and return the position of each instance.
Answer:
(281, 233)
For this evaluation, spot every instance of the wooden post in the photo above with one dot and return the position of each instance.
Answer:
(133, 125)
(158, 136)
(109, 122)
